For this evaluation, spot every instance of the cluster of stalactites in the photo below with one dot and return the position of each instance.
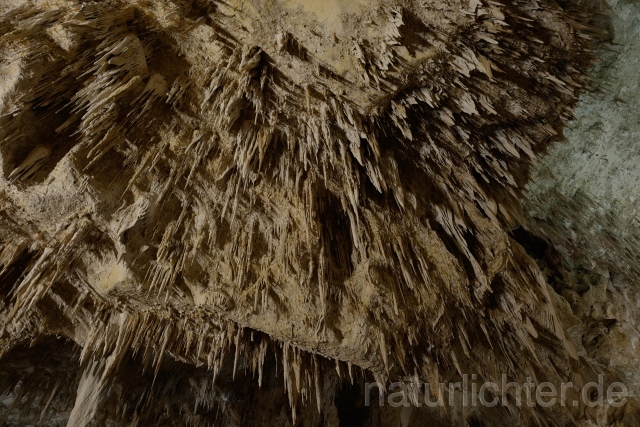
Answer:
(224, 181)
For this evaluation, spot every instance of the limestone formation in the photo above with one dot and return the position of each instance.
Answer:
(239, 212)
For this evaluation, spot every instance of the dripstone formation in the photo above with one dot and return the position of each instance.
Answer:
(237, 213)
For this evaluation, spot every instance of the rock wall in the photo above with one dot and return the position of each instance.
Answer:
(240, 212)
(583, 200)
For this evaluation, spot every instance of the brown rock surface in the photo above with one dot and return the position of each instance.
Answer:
(237, 213)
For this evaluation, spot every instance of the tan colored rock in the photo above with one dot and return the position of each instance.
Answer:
(196, 190)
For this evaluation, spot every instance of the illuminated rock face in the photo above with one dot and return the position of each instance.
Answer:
(302, 192)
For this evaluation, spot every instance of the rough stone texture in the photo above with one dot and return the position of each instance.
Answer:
(240, 211)
(584, 199)
(597, 168)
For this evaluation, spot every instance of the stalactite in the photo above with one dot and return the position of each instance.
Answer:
(214, 190)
